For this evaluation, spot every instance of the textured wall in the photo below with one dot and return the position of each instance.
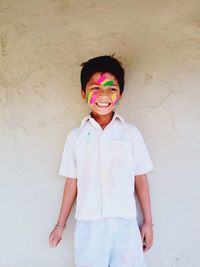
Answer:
(42, 44)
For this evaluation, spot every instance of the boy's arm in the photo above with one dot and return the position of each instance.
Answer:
(69, 196)
(142, 190)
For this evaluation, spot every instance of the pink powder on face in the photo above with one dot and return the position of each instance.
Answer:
(103, 80)
(91, 96)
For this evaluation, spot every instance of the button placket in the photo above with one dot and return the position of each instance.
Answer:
(100, 162)
(101, 168)
(105, 177)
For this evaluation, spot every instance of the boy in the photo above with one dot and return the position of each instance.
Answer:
(104, 160)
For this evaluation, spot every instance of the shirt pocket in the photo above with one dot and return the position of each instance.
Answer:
(86, 153)
(120, 155)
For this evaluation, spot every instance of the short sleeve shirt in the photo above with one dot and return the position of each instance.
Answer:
(105, 163)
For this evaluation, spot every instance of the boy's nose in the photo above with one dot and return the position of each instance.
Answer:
(104, 92)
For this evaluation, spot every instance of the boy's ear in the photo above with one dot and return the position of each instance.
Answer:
(83, 94)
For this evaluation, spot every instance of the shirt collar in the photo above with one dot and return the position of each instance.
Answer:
(89, 117)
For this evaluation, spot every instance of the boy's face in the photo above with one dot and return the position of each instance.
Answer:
(102, 93)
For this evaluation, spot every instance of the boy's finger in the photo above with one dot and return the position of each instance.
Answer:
(149, 239)
(147, 245)
(50, 238)
(53, 240)
(53, 243)
(142, 234)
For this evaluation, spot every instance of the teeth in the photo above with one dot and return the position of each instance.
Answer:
(103, 104)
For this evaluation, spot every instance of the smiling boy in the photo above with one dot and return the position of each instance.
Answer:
(105, 160)
(102, 94)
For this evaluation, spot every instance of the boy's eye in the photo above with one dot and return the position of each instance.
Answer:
(112, 89)
(109, 89)
(95, 88)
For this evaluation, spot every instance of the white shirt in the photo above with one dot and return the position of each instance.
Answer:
(105, 162)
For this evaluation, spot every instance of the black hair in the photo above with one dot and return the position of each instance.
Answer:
(102, 64)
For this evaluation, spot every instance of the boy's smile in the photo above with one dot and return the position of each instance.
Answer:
(102, 93)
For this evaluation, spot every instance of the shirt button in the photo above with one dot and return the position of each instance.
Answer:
(105, 179)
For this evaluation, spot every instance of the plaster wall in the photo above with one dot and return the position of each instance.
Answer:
(42, 44)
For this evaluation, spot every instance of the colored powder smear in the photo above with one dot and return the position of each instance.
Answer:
(103, 80)
(92, 95)
(115, 99)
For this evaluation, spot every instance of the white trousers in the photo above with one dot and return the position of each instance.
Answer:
(108, 242)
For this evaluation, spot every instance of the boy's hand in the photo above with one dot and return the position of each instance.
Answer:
(55, 236)
(146, 231)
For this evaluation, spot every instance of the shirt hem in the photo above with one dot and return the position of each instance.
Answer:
(104, 217)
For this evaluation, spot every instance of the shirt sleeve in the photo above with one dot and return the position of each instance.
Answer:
(68, 159)
(142, 161)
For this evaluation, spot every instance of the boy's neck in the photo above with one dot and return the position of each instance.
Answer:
(102, 120)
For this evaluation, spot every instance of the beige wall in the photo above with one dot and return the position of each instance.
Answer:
(42, 44)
